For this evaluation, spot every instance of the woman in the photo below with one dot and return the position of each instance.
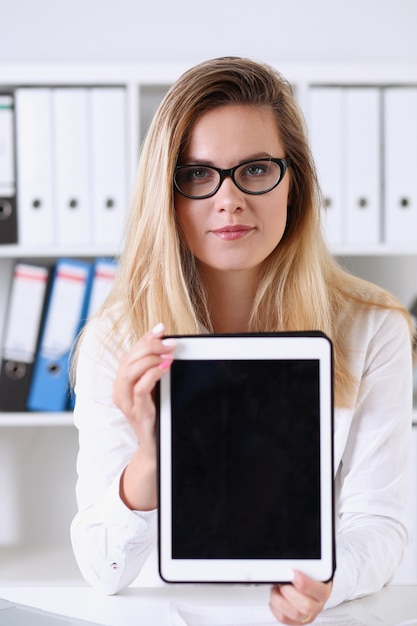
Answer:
(224, 236)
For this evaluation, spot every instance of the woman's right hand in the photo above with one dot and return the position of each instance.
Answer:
(133, 392)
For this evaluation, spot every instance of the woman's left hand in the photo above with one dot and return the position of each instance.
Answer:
(299, 602)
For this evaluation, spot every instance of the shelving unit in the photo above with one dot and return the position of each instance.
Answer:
(38, 450)
(33, 419)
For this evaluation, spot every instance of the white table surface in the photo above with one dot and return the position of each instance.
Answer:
(150, 606)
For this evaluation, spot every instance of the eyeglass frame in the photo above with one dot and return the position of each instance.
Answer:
(283, 163)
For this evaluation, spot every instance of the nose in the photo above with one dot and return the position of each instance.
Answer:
(229, 197)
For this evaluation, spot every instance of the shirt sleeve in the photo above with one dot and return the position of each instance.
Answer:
(110, 542)
(373, 472)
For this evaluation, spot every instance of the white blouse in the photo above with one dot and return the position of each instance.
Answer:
(372, 459)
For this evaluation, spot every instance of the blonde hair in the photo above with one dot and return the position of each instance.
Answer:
(301, 287)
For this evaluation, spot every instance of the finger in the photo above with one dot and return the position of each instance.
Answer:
(143, 405)
(145, 384)
(302, 603)
(292, 607)
(287, 616)
(147, 346)
(133, 393)
(155, 336)
(315, 589)
(139, 371)
(146, 354)
(156, 352)
(158, 330)
(129, 373)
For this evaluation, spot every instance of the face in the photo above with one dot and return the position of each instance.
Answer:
(233, 230)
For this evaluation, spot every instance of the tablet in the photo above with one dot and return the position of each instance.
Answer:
(245, 459)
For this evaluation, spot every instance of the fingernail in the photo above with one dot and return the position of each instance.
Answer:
(158, 329)
(169, 342)
(165, 364)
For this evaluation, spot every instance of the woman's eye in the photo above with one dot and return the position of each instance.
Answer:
(256, 169)
(199, 174)
(193, 177)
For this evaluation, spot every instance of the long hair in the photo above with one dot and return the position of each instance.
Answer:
(301, 285)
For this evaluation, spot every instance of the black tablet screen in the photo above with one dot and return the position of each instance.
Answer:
(245, 459)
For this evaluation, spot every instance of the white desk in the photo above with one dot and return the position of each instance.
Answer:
(151, 606)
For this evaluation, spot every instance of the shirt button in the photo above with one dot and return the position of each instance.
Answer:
(114, 566)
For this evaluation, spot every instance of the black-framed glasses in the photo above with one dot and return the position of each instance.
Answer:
(254, 177)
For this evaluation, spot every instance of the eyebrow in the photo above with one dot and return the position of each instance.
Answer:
(198, 161)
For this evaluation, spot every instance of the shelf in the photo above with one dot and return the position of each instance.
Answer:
(381, 249)
(17, 251)
(36, 419)
(158, 73)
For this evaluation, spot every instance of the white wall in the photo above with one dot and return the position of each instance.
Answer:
(185, 30)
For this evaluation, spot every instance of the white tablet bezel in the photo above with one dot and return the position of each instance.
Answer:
(261, 346)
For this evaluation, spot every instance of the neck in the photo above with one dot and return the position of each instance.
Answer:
(230, 299)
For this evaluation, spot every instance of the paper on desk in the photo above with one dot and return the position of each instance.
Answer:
(189, 615)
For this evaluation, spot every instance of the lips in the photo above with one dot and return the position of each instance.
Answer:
(232, 231)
